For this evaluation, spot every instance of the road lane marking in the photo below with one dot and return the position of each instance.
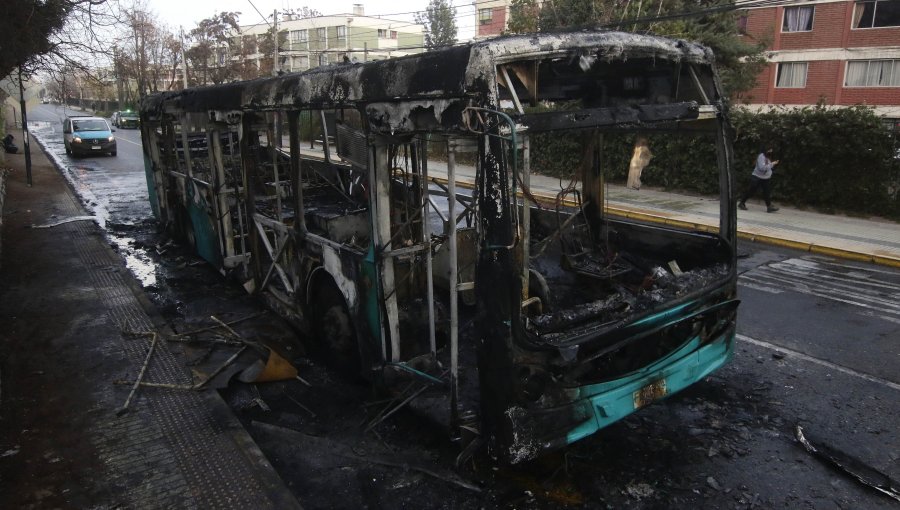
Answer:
(127, 140)
(888, 302)
(827, 364)
(875, 295)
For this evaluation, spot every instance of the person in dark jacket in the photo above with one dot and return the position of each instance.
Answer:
(761, 178)
(9, 145)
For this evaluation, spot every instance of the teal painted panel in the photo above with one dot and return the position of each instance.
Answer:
(206, 238)
(151, 187)
(613, 400)
(371, 303)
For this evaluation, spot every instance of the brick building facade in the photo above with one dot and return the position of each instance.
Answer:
(840, 52)
(491, 17)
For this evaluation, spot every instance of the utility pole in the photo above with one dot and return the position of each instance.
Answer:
(120, 96)
(25, 144)
(275, 66)
(184, 75)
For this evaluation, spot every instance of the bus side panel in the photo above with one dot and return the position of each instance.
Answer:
(151, 187)
(206, 238)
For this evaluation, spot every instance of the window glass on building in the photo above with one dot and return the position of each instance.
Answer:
(393, 34)
(877, 14)
(742, 24)
(485, 16)
(873, 73)
(341, 31)
(798, 19)
(321, 33)
(299, 35)
(300, 63)
(249, 44)
(791, 75)
(323, 59)
(382, 33)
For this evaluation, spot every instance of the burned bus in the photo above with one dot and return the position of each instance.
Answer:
(391, 211)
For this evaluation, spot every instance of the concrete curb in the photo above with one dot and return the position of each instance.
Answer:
(653, 217)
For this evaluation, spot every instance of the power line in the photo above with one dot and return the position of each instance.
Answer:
(260, 14)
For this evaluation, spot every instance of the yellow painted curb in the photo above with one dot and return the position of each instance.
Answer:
(748, 236)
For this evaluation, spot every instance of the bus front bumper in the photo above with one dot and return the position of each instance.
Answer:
(596, 406)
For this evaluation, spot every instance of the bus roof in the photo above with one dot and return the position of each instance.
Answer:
(450, 72)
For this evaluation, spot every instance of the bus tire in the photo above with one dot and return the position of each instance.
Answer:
(335, 337)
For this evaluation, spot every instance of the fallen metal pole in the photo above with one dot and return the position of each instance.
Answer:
(140, 376)
(210, 328)
(222, 367)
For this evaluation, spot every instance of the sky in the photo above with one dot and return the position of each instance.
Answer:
(186, 13)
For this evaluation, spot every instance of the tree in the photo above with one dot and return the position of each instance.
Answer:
(51, 34)
(267, 48)
(27, 27)
(440, 24)
(149, 54)
(523, 17)
(214, 44)
(704, 21)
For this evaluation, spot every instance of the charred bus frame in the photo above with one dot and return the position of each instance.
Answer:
(555, 320)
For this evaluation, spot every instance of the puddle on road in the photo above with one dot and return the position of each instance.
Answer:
(118, 225)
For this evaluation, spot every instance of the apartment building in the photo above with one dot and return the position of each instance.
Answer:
(492, 17)
(323, 40)
(840, 52)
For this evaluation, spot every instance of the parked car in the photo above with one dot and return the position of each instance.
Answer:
(128, 119)
(84, 135)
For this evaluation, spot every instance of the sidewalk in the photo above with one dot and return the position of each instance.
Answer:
(65, 301)
(868, 240)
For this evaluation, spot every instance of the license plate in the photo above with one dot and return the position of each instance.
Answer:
(96, 147)
(649, 393)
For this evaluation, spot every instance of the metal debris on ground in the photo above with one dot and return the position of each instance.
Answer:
(301, 406)
(218, 325)
(196, 386)
(852, 466)
(140, 376)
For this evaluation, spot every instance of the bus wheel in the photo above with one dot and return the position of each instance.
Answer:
(333, 330)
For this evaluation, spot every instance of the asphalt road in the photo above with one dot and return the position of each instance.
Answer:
(818, 345)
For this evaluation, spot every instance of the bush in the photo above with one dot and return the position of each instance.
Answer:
(841, 159)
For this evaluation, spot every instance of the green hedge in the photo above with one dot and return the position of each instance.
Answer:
(831, 160)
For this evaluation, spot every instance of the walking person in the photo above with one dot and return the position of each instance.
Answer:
(761, 178)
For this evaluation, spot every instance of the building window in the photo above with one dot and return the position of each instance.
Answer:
(485, 16)
(249, 44)
(742, 24)
(299, 36)
(300, 63)
(798, 19)
(323, 59)
(877, 14)
(341, 31)
(633, 83)
(873, 73)
(393, 34)
(382, 33)
(791, 75)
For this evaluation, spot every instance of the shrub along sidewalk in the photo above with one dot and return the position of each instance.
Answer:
(830, 159)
